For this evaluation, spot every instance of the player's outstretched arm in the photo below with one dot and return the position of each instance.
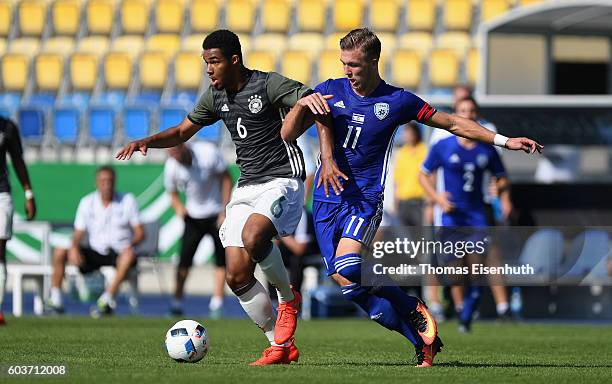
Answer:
(329, 174)
(471, 130)
(303, 115)
(165, 139)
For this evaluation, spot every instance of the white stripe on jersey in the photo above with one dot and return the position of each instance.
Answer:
(387, 156)
(297, 157)
(290, 155)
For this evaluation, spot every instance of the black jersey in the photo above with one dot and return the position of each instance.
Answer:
(254, 117)
(9, 142)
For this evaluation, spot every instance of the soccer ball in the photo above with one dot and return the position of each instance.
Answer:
(187, 341)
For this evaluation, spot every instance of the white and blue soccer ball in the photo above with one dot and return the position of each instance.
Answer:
(187, 341)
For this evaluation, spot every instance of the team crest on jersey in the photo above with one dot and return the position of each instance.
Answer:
(381, 110)
(255, 104)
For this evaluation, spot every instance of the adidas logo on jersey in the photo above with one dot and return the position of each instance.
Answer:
(454, 158)
(224, 108)
(339, 104)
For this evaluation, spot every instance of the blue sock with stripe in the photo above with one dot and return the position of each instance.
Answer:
(381, 311)
(349, 267)
(470, 303)
(401, 301)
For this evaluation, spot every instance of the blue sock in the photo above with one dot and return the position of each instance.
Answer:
(381, 311)
(349, 267)
(401, 301)
(470, 303)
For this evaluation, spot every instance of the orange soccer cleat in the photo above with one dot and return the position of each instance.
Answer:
(2, 321)
(278, 355)
(425, 356)
(286, 321)
(424, 322)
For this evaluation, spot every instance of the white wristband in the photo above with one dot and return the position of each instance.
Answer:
(500, 140)
(29, 195)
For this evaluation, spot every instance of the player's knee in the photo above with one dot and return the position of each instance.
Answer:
(60, 255)
(236, 280)
(349, 267)
(256, 246)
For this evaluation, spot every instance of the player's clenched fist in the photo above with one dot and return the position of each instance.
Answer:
(126, 152)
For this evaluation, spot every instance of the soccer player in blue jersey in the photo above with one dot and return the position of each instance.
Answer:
(463, 164)
(357, 117)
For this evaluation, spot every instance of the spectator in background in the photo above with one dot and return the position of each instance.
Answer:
(200, 172)
(409, 195)
(11, 142)
(112, 223)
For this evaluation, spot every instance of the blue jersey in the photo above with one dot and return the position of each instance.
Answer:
(363, 129)
(462, 171)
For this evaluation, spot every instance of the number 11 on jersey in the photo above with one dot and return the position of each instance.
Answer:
(348, 136)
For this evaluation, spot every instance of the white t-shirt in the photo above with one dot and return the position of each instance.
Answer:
(201, 181)
(108, 227)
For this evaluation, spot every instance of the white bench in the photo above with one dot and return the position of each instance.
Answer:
(37, 273)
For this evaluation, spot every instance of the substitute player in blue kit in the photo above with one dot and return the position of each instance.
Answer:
(356, 141)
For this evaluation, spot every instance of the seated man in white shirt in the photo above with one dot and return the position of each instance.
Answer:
(111, 220)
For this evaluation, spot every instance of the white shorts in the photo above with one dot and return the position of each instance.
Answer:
(280, 200)
(6, 216)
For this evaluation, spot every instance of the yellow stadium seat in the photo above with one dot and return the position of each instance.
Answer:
(443, 68)
(457, 14)
(134, 16)
(275, 15)
(261, 61)
(297, 65)
(330, 66)
(274, 43)
(406, 71)
(188, 70)
(311, 15)
(204, 15)
(245, 42)
(118, 70)
(48, 71)
(388, 42)
(490, 9)
(66, 17)
(169, 16)
(32, 16)
(309, 42)
(153, 70)
(28, 46)
(416, 41)
(472, 66)
(99, 15)
(192, 42)
(348, 14)
(129, 44)
(240, 15)
(6, 17)
(84, 71)
(62, 45)
(333, 40)
(15, 69)
(383, 15)
(421, 14)
(97, 45)
(456, 41)
(167, 43)
(529, 2)
(2, 46)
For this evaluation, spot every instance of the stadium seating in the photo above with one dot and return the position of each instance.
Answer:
(421, 14)
(210, 132)
(66, 122)
(383, 15)
(171, 115)
(134, 16)
(388, 43)
(100, 124)
(273, 43)
(192, 43)
(297, 65)
(66, 17)
(169, 16)
(15, 68)
(311, 15)
(472, 66)
(309, 42)
(443, 69)
(261, 60)
(28, 46)
(32, 17)
(137, 119)
(330, 66)
(99, 15)
(529, 2)
(240, 15)
(153, 72)
(6, 17)
(61, 45)
(490, 9)
(31, 121)
(97, 45)
(454, 41)
(417, 41)
(204, 16)
(48, 71)
(348, 14)
(117, 70)
(130, 44)
(406, 69)
(166, 43)
(457, 14)
(188, 73)
(275, 15)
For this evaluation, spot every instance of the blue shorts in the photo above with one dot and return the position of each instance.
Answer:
(353, 220)
(471, 218)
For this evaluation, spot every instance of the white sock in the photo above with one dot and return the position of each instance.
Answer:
(216, 302)
(56, 297)
(502, 308)
(256, 303)
(106, 298)
(3, 284)
(274, 270)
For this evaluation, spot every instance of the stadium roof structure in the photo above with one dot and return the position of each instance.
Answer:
(591, 18)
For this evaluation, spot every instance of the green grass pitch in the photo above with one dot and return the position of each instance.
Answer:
(130, 350)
